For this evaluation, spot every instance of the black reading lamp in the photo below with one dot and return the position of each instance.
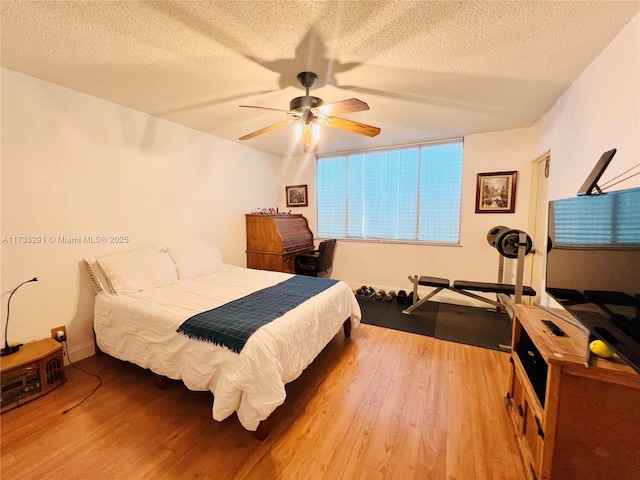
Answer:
(7, 350)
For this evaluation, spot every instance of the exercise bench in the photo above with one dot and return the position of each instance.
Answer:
(464, 288)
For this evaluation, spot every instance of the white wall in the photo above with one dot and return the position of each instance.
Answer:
(387, 266)
(74, 165)
(600, 111)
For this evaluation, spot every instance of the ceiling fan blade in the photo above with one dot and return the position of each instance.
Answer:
(351, 126)
(344, 106)
(266, 129)
(264, 108)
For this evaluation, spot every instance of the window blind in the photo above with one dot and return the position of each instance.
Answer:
(610, 219)
(407, 193)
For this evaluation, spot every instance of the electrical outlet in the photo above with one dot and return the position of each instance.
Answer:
(56, 336)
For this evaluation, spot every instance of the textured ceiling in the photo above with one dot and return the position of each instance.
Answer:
(428, 70)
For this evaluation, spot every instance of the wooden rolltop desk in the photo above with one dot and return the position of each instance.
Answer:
(274, 241)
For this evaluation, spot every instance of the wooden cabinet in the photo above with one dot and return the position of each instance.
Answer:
(274, 241)
(35, 370)
(571, 421)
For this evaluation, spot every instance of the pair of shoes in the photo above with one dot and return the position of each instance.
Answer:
(402, 297)
(390, 296)
(381, 294)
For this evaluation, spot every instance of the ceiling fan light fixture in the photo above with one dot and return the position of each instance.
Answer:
(309, 113)
(309, 142)
(310, 132)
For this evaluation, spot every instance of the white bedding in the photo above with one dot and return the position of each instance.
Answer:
(141, 328)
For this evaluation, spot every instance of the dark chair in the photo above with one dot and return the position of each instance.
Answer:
(319, 261)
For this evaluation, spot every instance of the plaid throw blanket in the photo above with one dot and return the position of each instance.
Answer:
(231, 324)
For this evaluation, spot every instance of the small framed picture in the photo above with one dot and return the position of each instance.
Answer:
(296, 196)
(496, 192)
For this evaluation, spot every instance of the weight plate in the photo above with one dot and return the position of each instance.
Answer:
(508, 241)
(494, 233)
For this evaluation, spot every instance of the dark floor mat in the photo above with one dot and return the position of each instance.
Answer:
(454, 323)
(389, 314)
(474, 326)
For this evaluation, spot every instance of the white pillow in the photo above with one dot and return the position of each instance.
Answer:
(138, 270)
(98, 278)
(196, 258)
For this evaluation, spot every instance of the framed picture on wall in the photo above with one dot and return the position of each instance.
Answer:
(296, 196)
(496, 192)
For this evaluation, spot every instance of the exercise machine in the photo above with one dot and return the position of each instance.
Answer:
(510, 243)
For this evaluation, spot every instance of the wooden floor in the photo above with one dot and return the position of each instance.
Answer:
(383, 405)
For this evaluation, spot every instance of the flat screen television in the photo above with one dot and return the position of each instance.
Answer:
(593, 266)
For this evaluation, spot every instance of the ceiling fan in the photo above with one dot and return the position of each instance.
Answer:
(309, 113)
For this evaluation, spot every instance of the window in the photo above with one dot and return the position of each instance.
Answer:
(409, 193)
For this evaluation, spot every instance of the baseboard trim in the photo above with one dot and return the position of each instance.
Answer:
(80, 352)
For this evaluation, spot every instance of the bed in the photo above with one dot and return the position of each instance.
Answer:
(144, 296)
